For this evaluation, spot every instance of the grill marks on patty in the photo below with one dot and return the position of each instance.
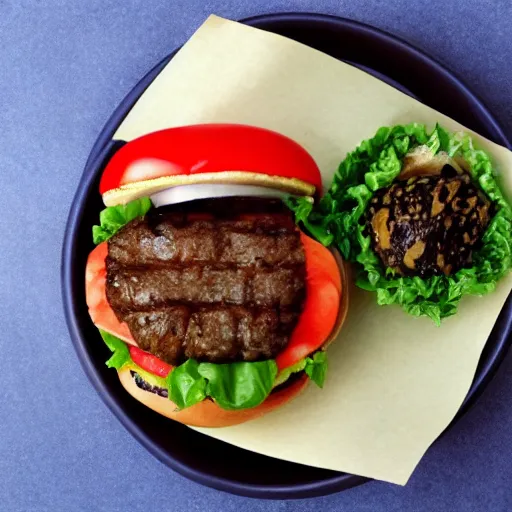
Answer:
(147, 288)
(428, 225)
(184, 239)
(212, 289)
(218, 333)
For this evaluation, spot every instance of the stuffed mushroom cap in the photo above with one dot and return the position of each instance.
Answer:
(428, 221)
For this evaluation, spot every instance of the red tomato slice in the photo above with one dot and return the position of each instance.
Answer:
(323, 292)
(320, 263)
(149, 362)
(100, 311)
(209, 148)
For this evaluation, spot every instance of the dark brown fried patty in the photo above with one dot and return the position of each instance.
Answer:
(428, 225)
(216, 289)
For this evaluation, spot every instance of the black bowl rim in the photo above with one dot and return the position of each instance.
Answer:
(101, 148)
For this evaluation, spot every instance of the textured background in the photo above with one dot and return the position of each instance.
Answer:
(65, 66)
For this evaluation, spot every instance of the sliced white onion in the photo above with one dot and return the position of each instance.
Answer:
(422, 162)
(184, 193)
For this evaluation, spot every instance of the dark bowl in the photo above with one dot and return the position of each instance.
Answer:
(198, 457)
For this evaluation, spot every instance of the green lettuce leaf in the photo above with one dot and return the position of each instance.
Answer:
(113, 218)
(316, 368)
(239, 385)
(374, 165)
(120, 353)
(285, 374)
(232, 386)
(303, 208)
(186, 386)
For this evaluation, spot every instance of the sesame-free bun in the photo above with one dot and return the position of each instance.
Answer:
(208, 154)
(207, 413)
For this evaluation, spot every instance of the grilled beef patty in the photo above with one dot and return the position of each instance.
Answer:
(217, 288)
(428, 225)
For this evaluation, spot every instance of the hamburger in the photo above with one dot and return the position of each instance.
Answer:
(215, 306)
(420, 215)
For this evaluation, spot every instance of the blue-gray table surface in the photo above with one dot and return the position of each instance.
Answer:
(65, 67)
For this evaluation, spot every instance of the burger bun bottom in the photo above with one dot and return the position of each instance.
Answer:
(207, 413)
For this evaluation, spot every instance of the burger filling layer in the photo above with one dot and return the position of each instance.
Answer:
(146, 386)
(218, 287)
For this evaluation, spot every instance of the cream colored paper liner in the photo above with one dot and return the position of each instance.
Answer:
(394, 382)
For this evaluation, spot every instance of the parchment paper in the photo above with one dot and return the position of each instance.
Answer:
(394, 382)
